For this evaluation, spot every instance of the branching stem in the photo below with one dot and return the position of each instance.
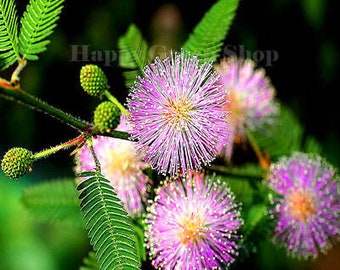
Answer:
(13, 92)
(80, 140)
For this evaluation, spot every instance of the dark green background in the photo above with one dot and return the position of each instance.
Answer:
(306, 77)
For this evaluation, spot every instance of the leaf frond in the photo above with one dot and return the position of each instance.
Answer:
(283, 137)
(53, 201)
(9, 49)
(207, 37)
(134, 54)
(109, 228)
(37, 23)
(90, 262)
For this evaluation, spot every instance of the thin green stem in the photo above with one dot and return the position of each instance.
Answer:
(239, 173)
(263, 160)
(94, 155)
(47, 152)
(16, 74)
(26, 99)
(116, 102)
(8, 91)
(115, 134)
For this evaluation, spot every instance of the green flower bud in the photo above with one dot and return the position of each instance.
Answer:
(17, 162)
(93, 80)
(106, 116)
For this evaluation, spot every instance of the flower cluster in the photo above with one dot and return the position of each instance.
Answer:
(121, 165)
(192, 224)
(176, 114)
(308, 211)
(251, 96)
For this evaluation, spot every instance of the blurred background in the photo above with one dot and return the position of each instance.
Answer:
(296, 42)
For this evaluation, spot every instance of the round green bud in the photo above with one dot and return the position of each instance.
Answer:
(17, 162)
(106, 116)
(93, 80)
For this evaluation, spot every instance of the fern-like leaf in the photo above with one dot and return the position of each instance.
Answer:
(134, 54)
(90, 262)
(311, 145)
(283, 137)
(208, 36)
(9, 49)
(53, 201)
(109, 228)
(37, 24)
(258, 226)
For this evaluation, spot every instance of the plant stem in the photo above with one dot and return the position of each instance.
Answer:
(115, 134)
(235, 172)
(8, 91)
(15, 76)
(263, 160)
(74, 142)
(39, 105)
(116, 102)
(94, 155)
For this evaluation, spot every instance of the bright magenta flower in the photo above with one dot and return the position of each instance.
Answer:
(308, 212)
(177, 115)
(192, 224)
(251, 96)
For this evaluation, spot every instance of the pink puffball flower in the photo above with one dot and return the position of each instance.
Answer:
(308, 211)
(192, 224)
(121, 165)
(176, 114)
(251, 96)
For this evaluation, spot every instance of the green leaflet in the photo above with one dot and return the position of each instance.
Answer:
(90, 262)
(134, 54)
(37, 23)
(311, 145)
(109, 228)
(281, 138)
(138, 227)
(257, 228)
(9, 49)
(208, 36)
(53, 201)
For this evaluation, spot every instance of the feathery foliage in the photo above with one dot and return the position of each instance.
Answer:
(134, 54)
(138, 227)
(37, 23)
(241, 180)
(53, 201)
(282, 138)
(311, 145)
(109, 228)
(208, 36)
(9, 49)
(257, 228)
(90, 262)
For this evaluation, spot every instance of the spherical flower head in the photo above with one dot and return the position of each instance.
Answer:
(106, 116)
(308, 211)
(121, 165)
(176, 113)
(93, 80)
(251, 94)
(192, 224)
(17, 162)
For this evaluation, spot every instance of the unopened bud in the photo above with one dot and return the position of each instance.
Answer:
(17, 162)
(93, 80)
(106, 116)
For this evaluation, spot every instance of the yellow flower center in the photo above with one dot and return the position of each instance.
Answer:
(301, 205)
(178, 111)
(191, 230)
(235, 107)
(122, 159)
